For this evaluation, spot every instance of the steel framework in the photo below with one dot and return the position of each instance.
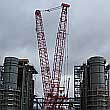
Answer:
(39, 103)
(78, 71)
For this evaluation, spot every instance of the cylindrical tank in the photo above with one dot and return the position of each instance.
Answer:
(96, 88)
(97, 72)
(10, 72)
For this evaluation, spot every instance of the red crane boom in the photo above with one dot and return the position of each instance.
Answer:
(59, 50)
(51, 84)
(44, 62)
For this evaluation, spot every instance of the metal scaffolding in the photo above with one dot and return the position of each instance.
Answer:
(78, 72)
(39, 103)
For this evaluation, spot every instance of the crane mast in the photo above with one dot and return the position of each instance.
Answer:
(43, 55)
(51, 84)
(59, 50)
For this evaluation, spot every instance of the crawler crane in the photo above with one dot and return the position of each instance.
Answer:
(51, 81)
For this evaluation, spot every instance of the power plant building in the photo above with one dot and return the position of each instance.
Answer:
(16, 84)
(91, 85)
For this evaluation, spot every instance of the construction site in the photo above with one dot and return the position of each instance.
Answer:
(90, 81)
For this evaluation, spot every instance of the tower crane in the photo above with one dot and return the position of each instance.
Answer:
(51, 81)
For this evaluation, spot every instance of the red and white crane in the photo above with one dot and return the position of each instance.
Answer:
(51, 82)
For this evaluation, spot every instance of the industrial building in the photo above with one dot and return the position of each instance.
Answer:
(91, 79)
(91, 85)
(16, 84)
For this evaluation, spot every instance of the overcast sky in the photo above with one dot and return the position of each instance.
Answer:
(89, 29)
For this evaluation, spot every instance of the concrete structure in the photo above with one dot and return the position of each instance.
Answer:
(27, 84)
